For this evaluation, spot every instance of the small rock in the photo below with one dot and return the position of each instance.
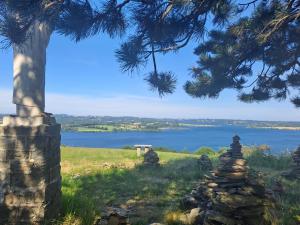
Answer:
(188, 202)
(102, 222)
(196, 216)
(114, 216)
(76, 176)
(151, 158)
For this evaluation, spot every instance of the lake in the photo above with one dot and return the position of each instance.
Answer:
(187, 139)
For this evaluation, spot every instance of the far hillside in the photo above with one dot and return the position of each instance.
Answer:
(110, 124)
(127, 123)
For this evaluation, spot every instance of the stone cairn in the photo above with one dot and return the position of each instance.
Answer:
(205, 163)
(294, 173)
(151, 158)
(114, 216)
(231, 195)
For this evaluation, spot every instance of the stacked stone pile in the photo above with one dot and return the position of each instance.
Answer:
(231, 196)
(151, 158)
(294, 173)
(205, 163)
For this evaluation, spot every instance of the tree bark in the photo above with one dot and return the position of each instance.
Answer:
(29, 65)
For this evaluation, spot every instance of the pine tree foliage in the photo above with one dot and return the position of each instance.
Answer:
(267, 41)
(76, 20)
(163, 82)
(243, 37)
(156, 26)
(11, 29)
(16, 18)
(166, 26)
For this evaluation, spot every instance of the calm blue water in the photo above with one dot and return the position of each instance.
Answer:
(188, 139)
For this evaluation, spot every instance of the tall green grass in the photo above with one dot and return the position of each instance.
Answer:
(261, 159)
(96, 178)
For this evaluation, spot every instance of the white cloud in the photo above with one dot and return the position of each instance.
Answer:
(124, 105)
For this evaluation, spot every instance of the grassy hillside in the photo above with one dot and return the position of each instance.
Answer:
(95, 178)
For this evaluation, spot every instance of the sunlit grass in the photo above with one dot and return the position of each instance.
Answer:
(96, 178)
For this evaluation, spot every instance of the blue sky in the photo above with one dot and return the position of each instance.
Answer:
(85, 79)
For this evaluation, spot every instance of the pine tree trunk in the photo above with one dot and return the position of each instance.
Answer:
(29, 71)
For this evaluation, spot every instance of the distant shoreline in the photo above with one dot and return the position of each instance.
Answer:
(279, 128)
(180, 127)
(159, 129)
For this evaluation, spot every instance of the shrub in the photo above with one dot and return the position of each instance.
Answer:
(248, 150)
(128, 147)
(163, 149)
(222, 150)
(263, 148)
(205, 151)
(259, 159)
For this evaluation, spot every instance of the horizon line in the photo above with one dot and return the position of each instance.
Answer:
(164, 118)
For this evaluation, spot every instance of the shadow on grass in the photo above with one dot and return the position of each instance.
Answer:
(148, 193)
